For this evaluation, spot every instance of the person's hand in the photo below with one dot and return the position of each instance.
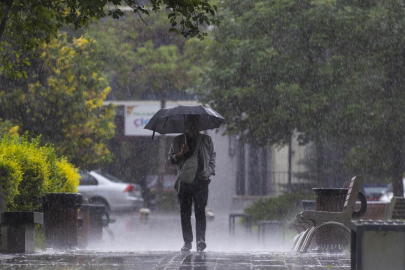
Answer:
(184, 150)
(206, 177)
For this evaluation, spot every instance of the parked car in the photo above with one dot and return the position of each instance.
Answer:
(373, 191)
(387, 195)
(100, 188)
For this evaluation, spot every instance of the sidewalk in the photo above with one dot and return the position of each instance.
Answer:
(155, 244)
(85, 260)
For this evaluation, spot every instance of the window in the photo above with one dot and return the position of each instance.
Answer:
(88, 180)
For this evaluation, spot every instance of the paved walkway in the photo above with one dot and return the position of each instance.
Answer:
(86, 260)
(154, 245)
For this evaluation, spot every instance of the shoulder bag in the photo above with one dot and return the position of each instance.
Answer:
(189, 169)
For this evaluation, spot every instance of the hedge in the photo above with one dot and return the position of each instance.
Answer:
(28, 171)
(282, 208)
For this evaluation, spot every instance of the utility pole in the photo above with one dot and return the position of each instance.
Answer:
(162, 161)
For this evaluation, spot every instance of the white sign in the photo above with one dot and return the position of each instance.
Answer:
(138, 114)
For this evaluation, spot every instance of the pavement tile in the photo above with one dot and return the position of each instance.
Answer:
(268, 262)
(87, 260)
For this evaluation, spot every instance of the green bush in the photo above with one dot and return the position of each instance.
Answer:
(28, 171)
(10, 176)
(283, 207)
(168, 201)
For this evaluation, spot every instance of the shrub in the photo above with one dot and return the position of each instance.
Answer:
(11, 176)
(65, 178)
(282, 208)
(168, 201)
(30, 171)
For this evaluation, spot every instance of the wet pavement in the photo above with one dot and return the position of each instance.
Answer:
(155, 244)
(163, 233)
(87, 260)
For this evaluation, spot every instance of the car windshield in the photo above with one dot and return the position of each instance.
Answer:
(110, 177)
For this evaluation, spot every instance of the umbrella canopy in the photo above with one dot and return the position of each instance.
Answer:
(172, 120)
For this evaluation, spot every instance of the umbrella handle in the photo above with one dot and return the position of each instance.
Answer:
(153, 135)
(185, 132)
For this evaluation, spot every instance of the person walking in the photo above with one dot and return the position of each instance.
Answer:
(193, 188)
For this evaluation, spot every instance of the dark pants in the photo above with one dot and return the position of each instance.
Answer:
(197, 193)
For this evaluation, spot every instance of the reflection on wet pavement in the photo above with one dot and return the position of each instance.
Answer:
(154, 245)
(86, 260)
(163, 233)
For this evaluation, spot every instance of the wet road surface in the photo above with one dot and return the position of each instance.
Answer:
(87, 260)
(155, 244)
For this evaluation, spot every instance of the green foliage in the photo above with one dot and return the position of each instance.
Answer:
(333, 71)
(141, 61)
(11, 176)
(168, 201)
(270, 70)
(27, 24)
(28, 171)
(63, 101)
(159, 69)
(8, 127)
(283, 207)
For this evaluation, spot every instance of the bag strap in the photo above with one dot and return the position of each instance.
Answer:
(197, 147)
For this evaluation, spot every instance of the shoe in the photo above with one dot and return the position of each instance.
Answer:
(186, 247)
(201, 245)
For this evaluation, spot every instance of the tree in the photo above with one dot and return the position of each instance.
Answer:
(272, 72)
(119, 44)
(63, 101)
(376, 101)
(145, 63)
(26, 24)
(331, 70)
(160, 71)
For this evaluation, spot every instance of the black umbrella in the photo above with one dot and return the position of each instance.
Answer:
(172, 120)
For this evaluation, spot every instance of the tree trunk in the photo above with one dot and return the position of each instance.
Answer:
(263, 162)
(4, 18)
(320, 174)
(240, 169)
(397, 171)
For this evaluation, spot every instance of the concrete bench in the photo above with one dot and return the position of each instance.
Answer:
(18, 231)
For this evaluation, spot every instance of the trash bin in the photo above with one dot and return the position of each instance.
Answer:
(93, 218)
(308, 204)
(61, 219)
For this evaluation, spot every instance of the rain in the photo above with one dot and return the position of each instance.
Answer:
(260, 134)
